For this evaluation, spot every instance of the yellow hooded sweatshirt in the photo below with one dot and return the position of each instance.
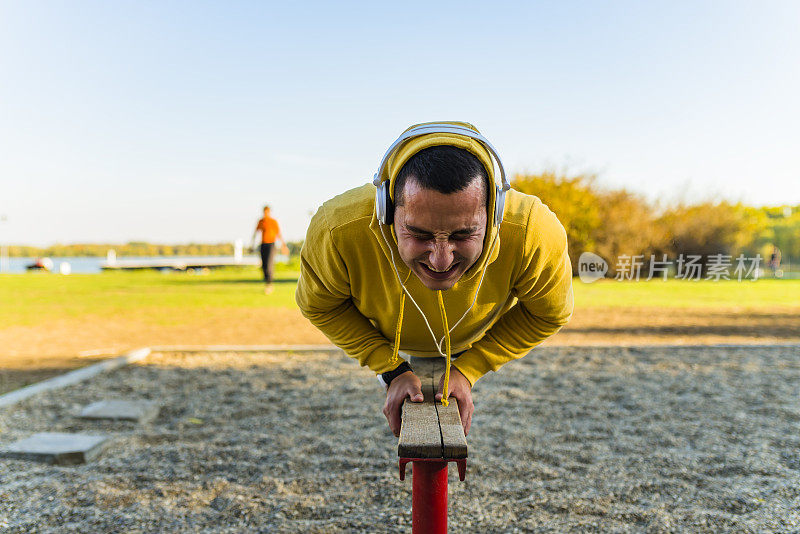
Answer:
(349, 290)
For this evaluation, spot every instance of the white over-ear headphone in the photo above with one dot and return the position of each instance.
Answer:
(384, 207)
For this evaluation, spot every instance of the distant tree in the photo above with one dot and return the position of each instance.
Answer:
(707, 229)
(574, 201)
(627, 228)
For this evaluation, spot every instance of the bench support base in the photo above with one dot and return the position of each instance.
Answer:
(429, 492)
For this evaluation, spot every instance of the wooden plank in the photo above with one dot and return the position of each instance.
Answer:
(430, 371)
(425, 369)
(180, 264)
(430, 430)
(420, 436)
(454, 443)
(438, 373)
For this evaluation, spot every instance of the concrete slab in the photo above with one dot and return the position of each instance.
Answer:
(73, 377)
(57, 448)
(139, 411)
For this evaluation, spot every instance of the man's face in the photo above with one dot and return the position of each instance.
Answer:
(439, 235)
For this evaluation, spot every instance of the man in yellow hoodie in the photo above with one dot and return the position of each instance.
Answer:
(488, 262)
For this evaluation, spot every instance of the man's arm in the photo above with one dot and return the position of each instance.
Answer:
(323, 295)
(324, 298)
(544, 290)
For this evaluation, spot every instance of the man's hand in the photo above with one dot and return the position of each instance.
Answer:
(404, 386)
(461, 390)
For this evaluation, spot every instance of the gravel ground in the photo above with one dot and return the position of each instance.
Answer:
(566, 440)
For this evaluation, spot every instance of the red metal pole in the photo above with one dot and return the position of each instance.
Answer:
(429, 498)
(429, 492)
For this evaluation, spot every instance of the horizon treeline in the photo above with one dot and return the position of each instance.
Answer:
(616, 222)
(606, 221)
(132, 248)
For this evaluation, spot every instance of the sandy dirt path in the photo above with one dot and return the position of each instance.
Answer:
(565, 440)
(32, 353)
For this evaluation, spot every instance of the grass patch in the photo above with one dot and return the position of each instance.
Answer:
(725, 295)
(165, 298)
(173, 297)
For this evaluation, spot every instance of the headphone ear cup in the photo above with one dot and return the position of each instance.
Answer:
(380, 206)
(389, 204)
(384, 208)
(499, 205)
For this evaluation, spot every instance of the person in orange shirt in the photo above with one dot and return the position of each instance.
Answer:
(269, 233)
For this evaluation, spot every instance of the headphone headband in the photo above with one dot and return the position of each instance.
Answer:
(384, 207)
(441, 127)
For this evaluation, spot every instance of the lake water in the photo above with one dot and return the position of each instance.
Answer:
(92, 265)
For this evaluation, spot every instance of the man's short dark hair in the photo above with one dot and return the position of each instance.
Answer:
(446, 169)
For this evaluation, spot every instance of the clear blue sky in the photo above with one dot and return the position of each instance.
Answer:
(175, 121)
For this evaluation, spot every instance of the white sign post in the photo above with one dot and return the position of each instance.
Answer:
(3, 247)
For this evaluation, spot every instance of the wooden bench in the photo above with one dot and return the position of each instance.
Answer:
(429, 429)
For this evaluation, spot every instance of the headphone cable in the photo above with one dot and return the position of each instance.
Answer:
(408, 293)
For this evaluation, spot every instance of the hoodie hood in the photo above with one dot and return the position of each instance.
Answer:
(406, 150)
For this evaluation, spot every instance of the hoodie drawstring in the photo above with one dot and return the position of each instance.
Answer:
(397, 330)
(399, 327)
(445, 386)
